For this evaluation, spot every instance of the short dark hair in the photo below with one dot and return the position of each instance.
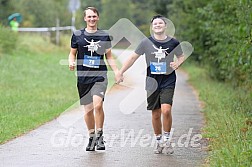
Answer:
(91, 8)
(158, 17)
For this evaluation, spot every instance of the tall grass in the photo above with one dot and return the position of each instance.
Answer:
(228, 114)
(34, 87)
(8, 40)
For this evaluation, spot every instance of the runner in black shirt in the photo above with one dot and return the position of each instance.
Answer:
(92, 46)
(159, 51)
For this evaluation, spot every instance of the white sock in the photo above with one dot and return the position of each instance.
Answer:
(99, 132)
(158, 137)
(167, 135)
(91, 132)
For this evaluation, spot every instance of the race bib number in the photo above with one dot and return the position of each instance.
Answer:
(158, 68)
(91, 61)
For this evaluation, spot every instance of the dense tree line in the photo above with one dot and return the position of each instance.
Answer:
(220, 30)
(221, 33)
(36, 13)
(40, 13)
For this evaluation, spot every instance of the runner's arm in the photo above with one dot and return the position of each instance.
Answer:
(71, 58)
(129, 62)
(111, 61)
(175, 65)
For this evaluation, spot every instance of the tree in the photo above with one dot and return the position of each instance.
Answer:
(161, 6)
(39, 13)
(6, 9)
(112, 11)
(142, 15)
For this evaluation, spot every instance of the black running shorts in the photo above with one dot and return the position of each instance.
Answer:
(87, 91)
(163, 96)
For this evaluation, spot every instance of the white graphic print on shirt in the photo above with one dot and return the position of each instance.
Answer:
(90, 60)
(158, 67)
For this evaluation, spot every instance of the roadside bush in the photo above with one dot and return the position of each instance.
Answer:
(221, 34)
(8, 40)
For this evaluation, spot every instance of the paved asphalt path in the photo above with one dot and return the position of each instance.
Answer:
(128, 131)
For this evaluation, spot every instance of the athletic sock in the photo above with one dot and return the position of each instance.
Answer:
(99, 132)
(158, 137)
(91, 132)
(167, 135)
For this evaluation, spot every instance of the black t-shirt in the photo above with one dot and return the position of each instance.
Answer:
(158, 55)
(91, 48)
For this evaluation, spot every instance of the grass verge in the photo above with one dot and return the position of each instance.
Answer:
(228, 115)
(34, 87)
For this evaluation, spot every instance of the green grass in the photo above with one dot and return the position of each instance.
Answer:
(228, 115)
(34, 87)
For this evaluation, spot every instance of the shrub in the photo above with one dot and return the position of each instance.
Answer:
(8, 40)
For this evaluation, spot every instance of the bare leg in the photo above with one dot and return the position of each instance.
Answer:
(167, 117)
(90, 122)
(156, 121)
(89, 116)
(99, 113)
(167, 124)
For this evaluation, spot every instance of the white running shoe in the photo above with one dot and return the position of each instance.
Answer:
(168, 147)
(159, 147)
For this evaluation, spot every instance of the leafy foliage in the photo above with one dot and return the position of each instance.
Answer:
(221, 33)
(8, 40)
(37, 13)
(40, 13)
(230, 40)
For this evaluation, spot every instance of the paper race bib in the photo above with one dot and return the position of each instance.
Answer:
(158, 68)
(91, 61)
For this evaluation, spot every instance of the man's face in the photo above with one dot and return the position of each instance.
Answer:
(158, 26)
(91, 18)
